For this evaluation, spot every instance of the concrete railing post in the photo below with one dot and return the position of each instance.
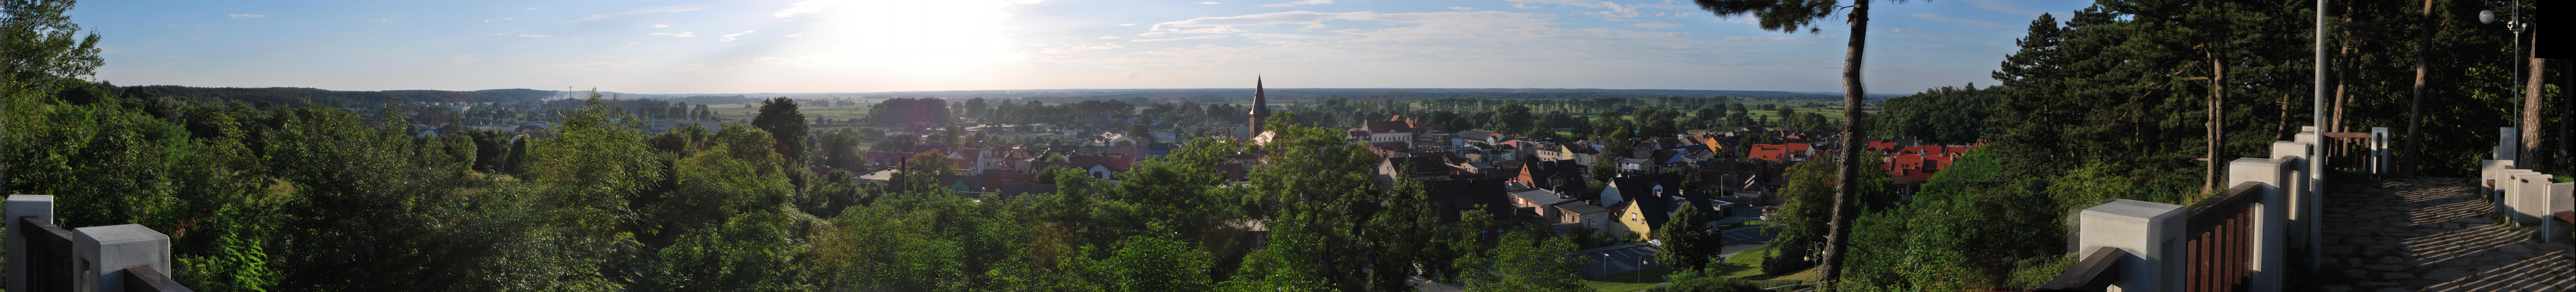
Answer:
(2301, 218)
(39, 206)
(2561, 197)
(2269, 240)
(2526, 195)
(104, 252)
(2490, 170)
(2508, 143)
(2379, 150)
(2152, 233)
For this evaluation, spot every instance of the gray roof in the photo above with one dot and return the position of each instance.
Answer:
(1579, 209)
(1541, 197)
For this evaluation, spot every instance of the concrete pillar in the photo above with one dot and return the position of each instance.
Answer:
(2151, 232)
(2508, 143)
(2561, 198)
(2490, 170)
(39, 206)
(2526, 193)
(2301, 218)
(2270, 238)
(104, 252)
(2309, 195)
(2379, 162)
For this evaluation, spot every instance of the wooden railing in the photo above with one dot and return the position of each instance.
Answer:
(2348, 151)
(2094, 274)
(49, 260)
(147, 279)
(2218, 245)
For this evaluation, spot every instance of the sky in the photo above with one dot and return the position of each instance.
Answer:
(740, 46)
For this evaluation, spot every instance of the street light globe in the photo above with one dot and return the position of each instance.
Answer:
(2486, 16)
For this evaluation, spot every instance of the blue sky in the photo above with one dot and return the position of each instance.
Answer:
(734, 46)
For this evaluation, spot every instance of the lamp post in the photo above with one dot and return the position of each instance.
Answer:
(2516, 24)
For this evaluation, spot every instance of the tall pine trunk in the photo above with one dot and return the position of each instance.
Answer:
(2531, 105)
(2415, 109)
(2343, 77)
(2215, 126)
(1847, 181)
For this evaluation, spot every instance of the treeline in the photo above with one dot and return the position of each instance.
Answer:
(299, 96)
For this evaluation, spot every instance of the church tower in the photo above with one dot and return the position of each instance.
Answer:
(1260, 107)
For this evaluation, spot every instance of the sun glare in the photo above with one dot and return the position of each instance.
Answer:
(898, 36)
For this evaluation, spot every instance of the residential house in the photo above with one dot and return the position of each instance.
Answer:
(1416, 167)
(1556, 175)
(1538, 202)
(1588, 215)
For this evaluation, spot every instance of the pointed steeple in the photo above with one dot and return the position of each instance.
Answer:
(1260, 102)
(1260, 107)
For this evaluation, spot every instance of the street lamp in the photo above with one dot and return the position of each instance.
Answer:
(2514, 23)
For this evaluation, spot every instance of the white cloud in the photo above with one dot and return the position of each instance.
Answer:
(1298, 2)
(762, 59)
(1524, 6)
(1219, 29)
(589, 66)
(535, 36)
(239, 15)
(532, 8)
(1904, 29)
(380, 20)
(1127, 24)
(1150, 34)
(794, 35)
(1968, 22)
(724, 39)
(803, 7)
(681, 34)
(2005, 8)
(661, 25)
(1181, 38)
(503, 33)
(736, 34)
(462, 59)
(1106, 37)
(1461, 8)
(1211, 2)
(1656, 25)
(1584, 3)
(1079, 48)
(509, 18)
(676, 8)
(1757, 39)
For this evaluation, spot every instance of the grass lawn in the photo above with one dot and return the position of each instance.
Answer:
(1747, 264)
(1628, 281)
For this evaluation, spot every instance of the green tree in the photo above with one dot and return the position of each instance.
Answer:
(1789, 16)
(1688, 244)
(1529, 262)
(1156, 264)
(778, 116)
(1511, 117)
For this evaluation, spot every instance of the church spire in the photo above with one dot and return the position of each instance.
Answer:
(1260, 107)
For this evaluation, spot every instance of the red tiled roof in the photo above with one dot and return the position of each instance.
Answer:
(1770, 152)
